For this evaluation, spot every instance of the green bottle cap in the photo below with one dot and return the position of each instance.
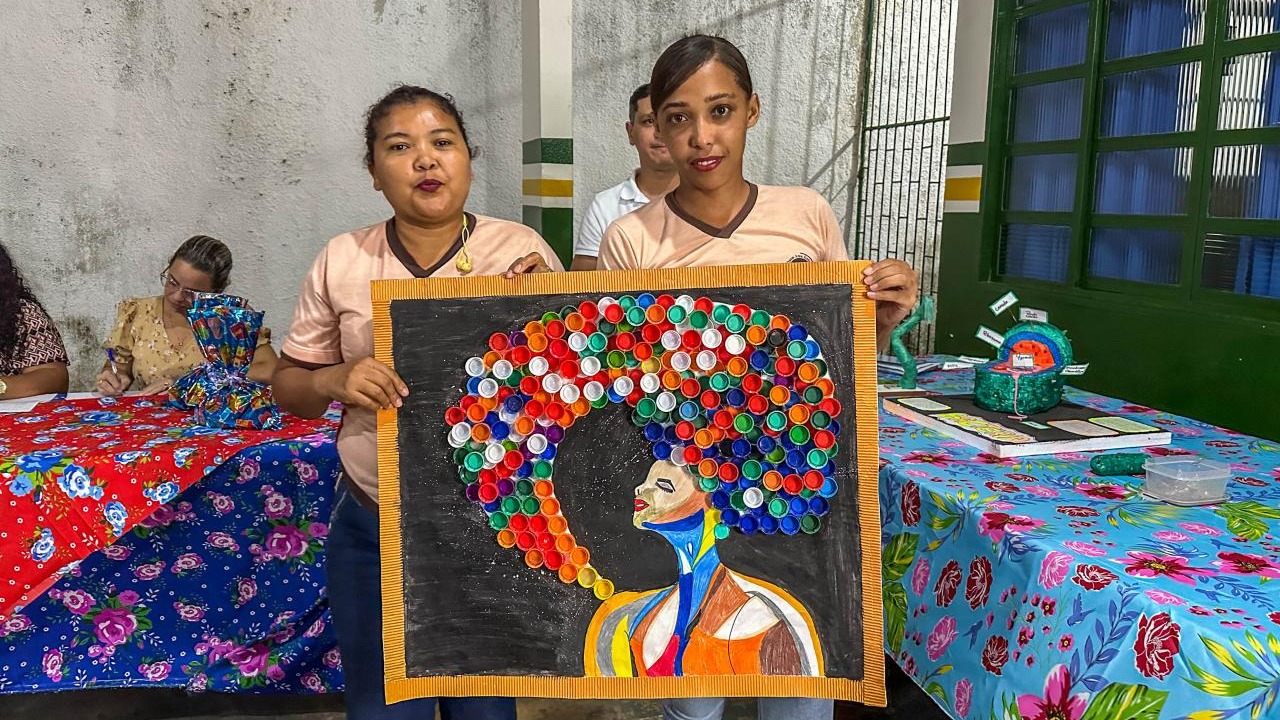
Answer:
(627, 302)
(677, 314)
(743, 423)
(530, 506)
(820, 420)
(812, 395)
(635, 315)
(708, 484)
(736, 501)
(796, 350)
(511, 504)
(720, 313)
(721, 531)
(498, 520)
(776, 420)
(799, 434)
(474, 462)
(720, 382)
(598, 342)
(810, 524)
(542, 469)
(617, 359)
(777, 507)
(816, 459)
(698, 319)
(752, 469)
(761, 318)
(524, 487)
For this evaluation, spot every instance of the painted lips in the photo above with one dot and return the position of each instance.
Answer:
(430, 185)
(641, 505)
(706, 164)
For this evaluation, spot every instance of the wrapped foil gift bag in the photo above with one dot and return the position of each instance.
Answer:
(220, 391)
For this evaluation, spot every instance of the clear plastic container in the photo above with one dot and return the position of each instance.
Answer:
(1186, 480)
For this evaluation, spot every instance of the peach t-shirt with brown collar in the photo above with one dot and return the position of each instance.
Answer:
(333, 322)
(776, 225)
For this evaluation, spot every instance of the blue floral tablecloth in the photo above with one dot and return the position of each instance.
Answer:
(220, 590)
(1030, 588)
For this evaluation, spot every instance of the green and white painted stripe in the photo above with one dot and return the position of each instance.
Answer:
(547, 75)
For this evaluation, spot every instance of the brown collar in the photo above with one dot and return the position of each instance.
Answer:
(406, 258)
(713, 231)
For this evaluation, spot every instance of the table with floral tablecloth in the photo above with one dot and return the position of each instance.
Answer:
(1030, 588)
(219, 585)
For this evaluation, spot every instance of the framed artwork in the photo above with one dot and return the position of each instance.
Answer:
(642, 484)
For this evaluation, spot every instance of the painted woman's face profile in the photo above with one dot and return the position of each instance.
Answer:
(669, 493)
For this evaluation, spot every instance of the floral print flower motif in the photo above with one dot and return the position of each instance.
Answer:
(1053, 569)
(995, 655)
(978, 587)
(1093, 577)
(995, 524)
(1056, 703)
(910, 503)
(1164, 598)
(77, 484)
(1174, 567)
(1156, 645)
(1236, 563)
(52, 664)
(944, 590)
(1084, 548)
(1201, 529)
(116, 515)
(1171, 536)
(941, 460)
(1103, 491)
(941, 637)
(1066, 642)
(307, 472)
(43, 545)
(964, 697)
(920, 576)
(1079, 511)
(162, 492)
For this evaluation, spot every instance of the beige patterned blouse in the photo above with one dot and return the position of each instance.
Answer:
(139, 337)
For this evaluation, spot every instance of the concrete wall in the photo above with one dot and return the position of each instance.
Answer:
(128, 125)
(805, 58)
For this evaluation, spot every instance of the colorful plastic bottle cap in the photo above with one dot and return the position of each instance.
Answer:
(616, 359)
(524, 487)
(474, 367)
(538, 366)
(580, 556)
(789, 525)
(776, 421)
(603, 589)
(567, 573)
(829, 488)
(768, 524)
(778, 507)
(533, 558)
(744, 423)
(592, 391)
(737, 367)
(817, 459)
(497, 520)
(735, 344)
(706, 360)
(772, 480)
(792, 484)
(542, 469)
(698, 319)
(506, 538)
(597, 342)
(624, 385)
(748, 525)
(474, 462)
(666, 402)
(459, 434)
(493, 454)
(589, 366)
(670, 340)
(799, 434)
(646, 408)
(721, 530)
(776, 338)
(719, 382)
(569, 393)
(577, 342)
(511, 505)
(813, 394)
(536, 444)
(810, 524)
(650, 383)
(680, 361)
(707, 484)
(711, 338)
(488, 388)
(753, 497)
(685, 301)
(529, 506)
(677, 314)
(503, 369)
(735, 323)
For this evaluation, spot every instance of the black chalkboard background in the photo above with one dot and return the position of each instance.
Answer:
(473, 608)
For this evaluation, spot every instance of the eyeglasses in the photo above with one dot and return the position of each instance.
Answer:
(170, 285)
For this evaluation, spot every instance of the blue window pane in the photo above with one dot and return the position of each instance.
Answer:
(1147, 102)
(1246, 182)
(1044, 183)
(1245, 265)
(1140, 27)
(1150, 256)
(1047, 112)
(1143, 182)
(1052, 39)
(1038, 252)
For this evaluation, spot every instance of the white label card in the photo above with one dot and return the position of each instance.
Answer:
(1075, 369)
(1032, 315)
(989, 336)
(973, 360)
(956, 365)
(1005, 302)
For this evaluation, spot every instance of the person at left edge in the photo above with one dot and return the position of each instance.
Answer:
(33, 360)
(419, 157)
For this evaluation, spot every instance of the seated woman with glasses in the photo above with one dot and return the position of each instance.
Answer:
(152, 344)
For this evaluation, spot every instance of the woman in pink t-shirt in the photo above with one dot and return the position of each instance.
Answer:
(419, 157)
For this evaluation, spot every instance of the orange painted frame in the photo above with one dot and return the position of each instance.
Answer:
(870, 690)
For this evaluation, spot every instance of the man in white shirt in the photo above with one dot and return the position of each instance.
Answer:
(655, 178)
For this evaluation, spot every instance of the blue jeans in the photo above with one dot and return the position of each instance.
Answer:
(766, 709)
(355, 599)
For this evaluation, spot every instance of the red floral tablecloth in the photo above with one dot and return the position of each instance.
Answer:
(76, 475)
